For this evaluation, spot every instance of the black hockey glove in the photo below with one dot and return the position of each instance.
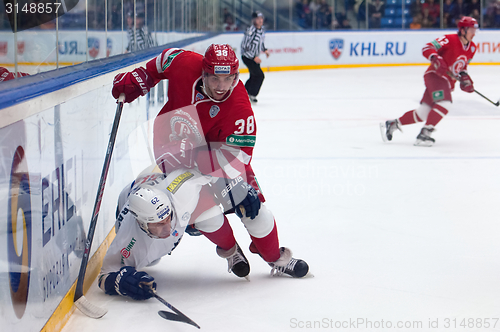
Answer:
(236, 193)
(250, 204)
(132, 283)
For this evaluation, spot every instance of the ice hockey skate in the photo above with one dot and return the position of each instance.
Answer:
(388, 128)
(253, 99)
(286, 264)
(424, 138)
(236, 261)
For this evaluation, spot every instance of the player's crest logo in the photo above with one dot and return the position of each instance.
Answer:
(459, 65)
(93, 46)
(214, 110)
(336, 47)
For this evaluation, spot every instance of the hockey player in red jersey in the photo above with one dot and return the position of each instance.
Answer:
(208, 123)
(6, 75)
(449, 56)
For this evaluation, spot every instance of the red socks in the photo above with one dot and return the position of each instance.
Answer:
(410, 117)
(223, 237)
(268, 246)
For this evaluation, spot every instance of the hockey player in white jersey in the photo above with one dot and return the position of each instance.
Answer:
(155, 211)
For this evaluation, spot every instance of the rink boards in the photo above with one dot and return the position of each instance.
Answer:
(53, 147)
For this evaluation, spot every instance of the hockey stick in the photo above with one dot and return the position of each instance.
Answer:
(178, 316)
(81, 302)
(458, 79)
(496, 104)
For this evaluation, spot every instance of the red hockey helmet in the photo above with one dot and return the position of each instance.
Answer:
(467, 22)
(220, 59)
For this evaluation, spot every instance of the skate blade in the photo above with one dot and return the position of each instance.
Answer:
(423, 143)
(382, 132)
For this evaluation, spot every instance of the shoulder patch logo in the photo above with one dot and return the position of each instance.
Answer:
(199, 96)
(168, 61)
(178, 181)
(241, 140)
(214, 110)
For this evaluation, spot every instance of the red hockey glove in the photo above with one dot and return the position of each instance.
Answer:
(175, 155)
(134, 84)
(439, 65)
(466, 83)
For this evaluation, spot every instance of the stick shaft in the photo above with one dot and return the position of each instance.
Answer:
(97, 204)
(496, 104)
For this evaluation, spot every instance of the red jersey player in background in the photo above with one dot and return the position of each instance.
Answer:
(449, 56)
(6, 75)
(208, 123)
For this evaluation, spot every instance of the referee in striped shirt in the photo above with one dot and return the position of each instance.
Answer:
(251, 47)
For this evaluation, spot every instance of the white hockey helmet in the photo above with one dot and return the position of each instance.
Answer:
(149, 205)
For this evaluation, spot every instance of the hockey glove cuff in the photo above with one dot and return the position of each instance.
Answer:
(466, 83)
(107, 283)
(135, 284)
(133, 84)
(250, 204)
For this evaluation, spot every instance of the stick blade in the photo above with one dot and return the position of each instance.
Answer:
(89, 309)
(174, 317)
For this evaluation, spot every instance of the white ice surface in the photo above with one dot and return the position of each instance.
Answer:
(392, 232)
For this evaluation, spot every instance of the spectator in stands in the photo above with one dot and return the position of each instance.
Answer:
(308, 13)
(226, 14)
(448, 10)
(301, 10)
(431, 12)
(314, 6)
(416, 23)
(375, 12)
(492, 16)
(229, 24)
(115, 18)
(427, 20)
(460, 11)
(360, 10)
(343, 20)
(474, 9)
(415, 8)
(324, 15)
